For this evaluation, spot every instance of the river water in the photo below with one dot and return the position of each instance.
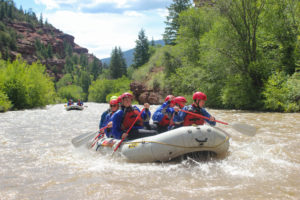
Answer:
(38, 160)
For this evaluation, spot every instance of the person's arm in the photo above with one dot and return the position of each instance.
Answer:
(116, 119)
(179, 116)
(101, 124)
(164, 107)
(206, 114)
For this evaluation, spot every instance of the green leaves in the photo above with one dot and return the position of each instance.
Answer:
(26, 86)
(101, 88)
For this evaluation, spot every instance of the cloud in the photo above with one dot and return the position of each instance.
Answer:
(105, 6)
(101, 32)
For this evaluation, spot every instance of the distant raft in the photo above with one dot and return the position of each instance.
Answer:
(171, 144)
(74, 107)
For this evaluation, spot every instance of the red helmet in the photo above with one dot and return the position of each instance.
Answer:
(169, 97)
(113, 102)
(179, 100)
(126, 94)
(200, 96)
(119, 99)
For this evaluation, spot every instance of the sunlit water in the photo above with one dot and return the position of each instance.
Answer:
(38, 161)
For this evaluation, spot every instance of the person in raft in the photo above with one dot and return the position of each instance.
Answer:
(114, 106)
(184, 119)
(79, 103)
(103, 116)
(70, 102)
(162, 115)
(124, 118)
(179, 102)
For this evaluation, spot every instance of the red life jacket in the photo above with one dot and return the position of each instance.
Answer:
(129, 117)
(191, 119)
(165, 121)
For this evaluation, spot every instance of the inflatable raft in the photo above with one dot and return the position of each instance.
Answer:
(169, 145)
(74, 107)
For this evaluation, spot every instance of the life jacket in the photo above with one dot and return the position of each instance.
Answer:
(191, 119)
(129, 117)
(165, 121)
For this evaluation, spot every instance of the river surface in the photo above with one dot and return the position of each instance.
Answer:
(38, 160)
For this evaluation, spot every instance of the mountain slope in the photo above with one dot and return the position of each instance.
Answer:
(21, 33)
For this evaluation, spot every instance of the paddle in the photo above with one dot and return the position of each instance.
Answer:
(81, 139)
(242, 128)
(98, 136)
(128, 131)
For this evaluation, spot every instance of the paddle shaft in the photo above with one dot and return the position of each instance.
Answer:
(201, 116)
(98, 136)
(242, 128)
(129, 129)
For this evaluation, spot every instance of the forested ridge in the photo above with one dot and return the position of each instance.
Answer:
(244, 54)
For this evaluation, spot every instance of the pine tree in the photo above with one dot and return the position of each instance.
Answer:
(141, 50)
(172, 24)
(41, 20)
(123, 62)
(152, 42)
(96, 68)
(117, 64)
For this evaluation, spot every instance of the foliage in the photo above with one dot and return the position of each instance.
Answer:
(64, 81)
(156, 61)
(239, 93)
(194, 23)
(71, 92)
(5, 103)
(117, 63)
(141, 51)
(8, 38)
(26, 86)
(282, 93)
(172, 24)
(102, 89)
(188, 80)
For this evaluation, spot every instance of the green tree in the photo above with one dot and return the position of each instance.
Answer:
(69, 65)
(49, 51)
(117, 64)
(101, 88)
(64, 81)
(41, 21)
(194, 23)
(141, 53)
(282, 24)
(71, 92)
(26, 86)
(96, 68)
(85, 81)
(172, 24)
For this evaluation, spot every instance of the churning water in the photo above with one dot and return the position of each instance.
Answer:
(38, 161)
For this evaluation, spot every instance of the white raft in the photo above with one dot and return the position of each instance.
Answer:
(170, 144)
(74, 107)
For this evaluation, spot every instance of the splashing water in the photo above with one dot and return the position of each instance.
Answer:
(38, 160)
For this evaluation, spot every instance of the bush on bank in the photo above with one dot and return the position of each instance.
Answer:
(24, 86)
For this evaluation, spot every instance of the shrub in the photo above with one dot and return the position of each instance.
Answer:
(71, 92)
(26, 86)
(5, 104)
(101, 90)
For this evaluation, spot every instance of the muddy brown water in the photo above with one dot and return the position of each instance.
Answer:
(38, 160)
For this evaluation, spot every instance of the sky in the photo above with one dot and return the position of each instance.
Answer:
(102, 25)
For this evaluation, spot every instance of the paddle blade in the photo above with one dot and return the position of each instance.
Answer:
(244, 129)
(82, 139)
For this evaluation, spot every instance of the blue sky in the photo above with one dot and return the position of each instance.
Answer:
(100, 25)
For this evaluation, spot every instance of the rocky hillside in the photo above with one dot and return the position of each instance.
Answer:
(26, 45)
(22, 33)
